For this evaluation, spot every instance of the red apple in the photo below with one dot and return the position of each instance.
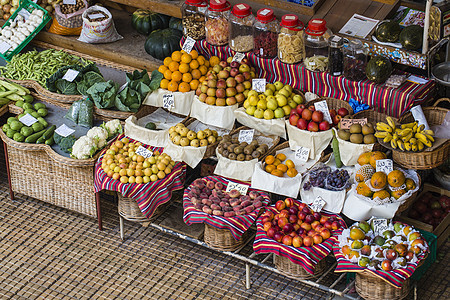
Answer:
(324, 125)
(300, 108)
(312, 108)
(302, 124)
(312, 126)
(297, 241)
(342, 111)
(267, 226)
(336, 119)
(287, 240)
(308, 241)
(280, 205)
(325, 233)
(293, 119)
(323, 219)
(332, 112)
(289, 202)
(293, 219)
(317, 239)
(270, 232)
(391, 254)
(307, 114)
(317, 116)
(278, 236)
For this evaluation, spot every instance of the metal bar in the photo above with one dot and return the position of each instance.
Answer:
(337, 280)
(247, 276)
(267, 257)
(121, 227)
(11, 193)
(99, 211)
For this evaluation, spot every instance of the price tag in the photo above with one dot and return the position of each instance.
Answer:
(264, 12)
(323, 107)
(28, 120)
(240, 6)
(302, 154)
(385, 165)
(242, 188)
(246, 136)
(70, 2)
(238, 57)
(24, 13)
(168, 101)
(188, 45)
(380, 225)
(122, 87)
(96, 16)
(70, 75)
(317, 204)
(259, 85)
(4, 46)
(142, 151)
(64, 130)
(346, 123)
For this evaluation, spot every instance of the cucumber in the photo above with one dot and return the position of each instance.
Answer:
(49, 133)
(337, 154)
(34, 137)
(40, 140)
(50, 141)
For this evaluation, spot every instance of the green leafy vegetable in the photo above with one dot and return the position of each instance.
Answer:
(156, 80)
(57, 84)
(128, 100)
(103, 93)
(66, 87)
(65, 143)
(89, 79)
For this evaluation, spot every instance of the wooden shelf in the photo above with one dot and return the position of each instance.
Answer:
(170, 8)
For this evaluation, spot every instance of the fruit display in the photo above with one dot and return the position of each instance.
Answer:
(184, 72)
(211, 198)
(295, 224)
(406, 137)
(276, 102)
(358, 134)
(121, 162)
(307, 118)
(279, 166)
(227, 83)
(182, 136)
(391, 249)
(231, 148)
(430, 208)
(324, 177)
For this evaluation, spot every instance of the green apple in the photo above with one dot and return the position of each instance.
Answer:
(246, 103)
(253, 93)
(287, 110)
(288, 87)
(272, 103)
(281, 100)
(292, 103)
(271, 87)
(253, 100)
(268, 92)
(284, 92)
(251, 110)
(279, 113)
(278, 85)
(268, 114)
(298, 99)
(259, 113)
(262, 104)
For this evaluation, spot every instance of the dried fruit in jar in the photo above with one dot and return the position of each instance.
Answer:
(217, 31)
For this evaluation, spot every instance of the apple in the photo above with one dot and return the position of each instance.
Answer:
(234, 72)
(308, 241)
(302, 124)
(335, 225)
(315, 224)
(391, 254)
(325, 233)
(289, 202)
(333, 112)
(306, 114)
(306, 210)
(271, 232)
(336, 119)
(280, 205)
(312, 126)
(278, 236)
(306, 226)
(317, 239)
(297, 241)
(324, 125)
(309, 219)
(282, 221)
(312, 108)
(300, 108)
(342, 111)
(317, 116)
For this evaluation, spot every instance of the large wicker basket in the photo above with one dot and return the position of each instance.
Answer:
(371, 287)
(3, 110)
(129, 210)
(404, 206)
(333, 104)
(296, 271)
(222, 239)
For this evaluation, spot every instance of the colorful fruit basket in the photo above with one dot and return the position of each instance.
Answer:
(299, 237)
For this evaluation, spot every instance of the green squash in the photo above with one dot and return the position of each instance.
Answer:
(162, 42)
(411, 37)
(145, 21)
(388, 32)
(176, 23)
(378, 69)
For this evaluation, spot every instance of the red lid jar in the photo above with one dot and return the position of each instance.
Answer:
(265, 34)
(216, 24)
(241, 28)
(193, 18)
(291, 41)
(316, 44)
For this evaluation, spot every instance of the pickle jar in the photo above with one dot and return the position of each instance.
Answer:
(241, 28)
(216, 25)
(265, 34)
(336, 56)
(291, 46)
(316, 45)
(193, 18)
(355, 60)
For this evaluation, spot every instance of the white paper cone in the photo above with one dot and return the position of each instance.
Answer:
(220, 116)
(269, 127)
(182, 105)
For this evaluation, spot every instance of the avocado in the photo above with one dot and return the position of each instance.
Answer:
(150, 125)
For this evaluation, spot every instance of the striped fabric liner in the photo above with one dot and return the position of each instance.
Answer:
(307, 257)
(393, 102)
(394, 278)
(148, 196)
(237, 225)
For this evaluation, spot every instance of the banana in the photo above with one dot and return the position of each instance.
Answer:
(400, 145)
(407, 146)
(407, 138)
(422, 138)
(390, 122)
(414, 147)
(420, 128)
(387, 138)
(381, 134)
(383, 127)
(405, 132)
(430, 137)
(409, 125)
(420, 146)
(413, 141)
(395, 136)
(415, 127)
(428, 131)
(394, 144)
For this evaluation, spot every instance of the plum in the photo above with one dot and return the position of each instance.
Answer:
(234, 193)
(237, 208)
(249, 209)
(210, 184)
(219, 186)
(217, 212)
(229, 214)
(240, 212)
(206, 209)
(253, 194)
(215, 207)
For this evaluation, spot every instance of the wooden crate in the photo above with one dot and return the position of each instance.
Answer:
(442, 231)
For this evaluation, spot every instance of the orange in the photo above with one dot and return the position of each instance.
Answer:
(277, 162)
(207, 64)
(164, 83)
(201, 79)
(281, 156)
(270, 159)
(184, 68)
(194, 64)
(187, 77)
(196, 74)
(184, 87)
(167, 61)
(282, 167)
(203, 69)
(186, 58)
(176, 76)
(176, 56)
(168, 74)
(277, 173)
(194, 54)
(173, 66)
(201, 60)
(383, 194)
(194, 84)
(292, 172)
(172, 86)
(214, 60)
(270, 168)
(290, 164)
(162, 68)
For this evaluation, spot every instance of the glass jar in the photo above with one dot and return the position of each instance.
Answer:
(291, 44)
(241, 28)
(193, 18)
(335, 55)
(216, 24)
(265, 34)
(316, 45)
(355, 60)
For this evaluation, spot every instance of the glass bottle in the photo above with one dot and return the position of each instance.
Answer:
(291, 43)
(241, 28)
(193, 18)
(265, 34)
(355, 60)
(316, 45)
(335, 55)
(216, 25)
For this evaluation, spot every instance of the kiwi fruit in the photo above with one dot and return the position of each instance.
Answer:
(355, 128)
(238, 150)
(367, 129)
(232, 156)
(356, 138)
(231, 147)
(243, 144)
(256, 154)
(248, 157)
(249, 149)
(369, 139)
(343, 134)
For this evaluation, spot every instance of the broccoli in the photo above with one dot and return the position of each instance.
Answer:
(65, 143)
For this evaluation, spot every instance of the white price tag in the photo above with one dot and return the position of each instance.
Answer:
(96, 16)
(259, 85)
(142, 151)
(188, 45)
(168, 101)
(323, 107)
(70, 75)
(385, 165)
(380, 225)
(242, 188)
(246, 136)
(302, 154)
(64, 130)
(122, 87)
(264, 12)
(238, 57)
(312, 63)
(4, 46)
(28, 120)
(70, 2)
(317, 204)
(24, 13)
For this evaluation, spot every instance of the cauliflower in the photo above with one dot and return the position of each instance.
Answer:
(99, 134)
(85, 147)
(113, 127)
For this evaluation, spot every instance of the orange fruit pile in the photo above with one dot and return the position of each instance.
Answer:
(278, 166)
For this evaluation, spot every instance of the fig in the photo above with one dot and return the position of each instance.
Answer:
(215, 207)
(198, 206)
(234, 193)
(253, 194)
(218, 186)
(191, 194)
(217, 212)
(237, 208)
(195, 190)
(195, 200)
(203, 195)
(199, 183)
(235, 202)
(206, 201)
(207, 191)
(245, 198)
(240, 212)
(249, 209)
(210, 185)
(224, 203)
(206, 209)
(214, 199)
(246, 203)
(229, 214)
(257, 204)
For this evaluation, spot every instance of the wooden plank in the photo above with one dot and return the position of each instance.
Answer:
(293, 7)
(170, 8)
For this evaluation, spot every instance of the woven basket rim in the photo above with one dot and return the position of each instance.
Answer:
(4, 109)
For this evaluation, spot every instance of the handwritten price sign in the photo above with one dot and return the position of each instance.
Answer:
(323, 107)
(142, 151)
(238, 57)
(70, 75)
(302, 154)
(246, 136)
(188, 45)
(242, 188)
(385, 165)
(28, 120)
(168, 101)
(346, 123)
(317, 204)
(259, 85)
(380, 225)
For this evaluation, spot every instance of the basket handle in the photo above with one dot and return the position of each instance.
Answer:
(441, 100)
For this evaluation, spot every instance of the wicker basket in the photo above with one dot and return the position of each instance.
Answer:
(222, 239)
(129, 210)
(404, 206)
(296, 271)
(275, 139)
(371, 287)
(3, 110)
(333, 104)
(425, 159)
(443, 102)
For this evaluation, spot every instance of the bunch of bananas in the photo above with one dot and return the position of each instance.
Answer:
(409, 137)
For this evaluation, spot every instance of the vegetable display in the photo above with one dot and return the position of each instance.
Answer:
(411, 37)
(388, 31)
(87, 76)
(162, 42)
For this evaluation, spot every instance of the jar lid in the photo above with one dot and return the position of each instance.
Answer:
(241, 10)
(219, 5)
(336, 41)
(265, 15)
(316, 27)
(200, 3)
(292, 22)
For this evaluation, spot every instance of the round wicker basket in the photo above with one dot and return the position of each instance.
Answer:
(371, 287)
(296, 271)
(222, 239)
(333, 104)
(129, 210)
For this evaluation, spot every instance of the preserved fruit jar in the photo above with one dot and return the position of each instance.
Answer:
(193, 18)
(355, 61)
(241, 28)
(217, 16)
(265, 34)
(316, 45)
(291, 44)
(336, 56)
